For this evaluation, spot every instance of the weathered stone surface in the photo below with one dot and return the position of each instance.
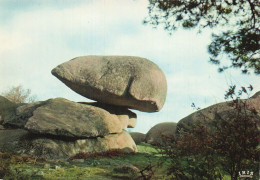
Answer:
(61, 117)
(120, 80)
(224, 110)
(20, 116)
(138, 137)
(7, 108)
(254, 101)
(121, 141)
(256, 95)
(204, 116)
(10, 140)
(158, 133)
(125, 116)
(19, 141)
(51, 148)
(131, 123)
(5, 104)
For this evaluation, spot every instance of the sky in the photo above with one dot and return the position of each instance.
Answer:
(38, 35)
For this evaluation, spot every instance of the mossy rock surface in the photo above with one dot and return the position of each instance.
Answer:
(19, 141)
(7, 109)
(61, 117)
(21, 114)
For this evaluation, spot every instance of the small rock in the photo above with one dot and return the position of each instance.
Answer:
(66, 163)
(47, 166)
(57, 167)
(127, 169)
(40, 173)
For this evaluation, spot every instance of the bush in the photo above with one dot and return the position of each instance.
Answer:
(227, 145)
(18, 94)
(4, 165)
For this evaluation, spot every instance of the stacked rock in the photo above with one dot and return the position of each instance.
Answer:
(59, 128)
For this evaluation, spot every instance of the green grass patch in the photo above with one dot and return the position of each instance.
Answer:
(91, 168)
(147, 148)
(73, 173)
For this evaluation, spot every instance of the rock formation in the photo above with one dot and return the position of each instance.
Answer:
(128, 81)
(6, 107)
(126, 117)
(222, 110)
(20, 141)
(157, 134)
(138, 137)
(60, 128)
(61, 117)
(254, 101)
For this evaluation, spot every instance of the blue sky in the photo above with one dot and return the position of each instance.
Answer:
(38, 35)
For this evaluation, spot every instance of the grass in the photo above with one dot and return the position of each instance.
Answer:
(147, 149)
(18, 167)
(90, 168)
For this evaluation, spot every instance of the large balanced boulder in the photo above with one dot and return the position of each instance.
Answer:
(61, 117)
(119, 80)
(19, 141)
(160, 132)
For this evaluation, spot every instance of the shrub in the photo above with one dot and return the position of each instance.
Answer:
(18, 94)
(227, 145)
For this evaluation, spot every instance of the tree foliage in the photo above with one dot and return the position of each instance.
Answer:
(18, 94)
(237, 22)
